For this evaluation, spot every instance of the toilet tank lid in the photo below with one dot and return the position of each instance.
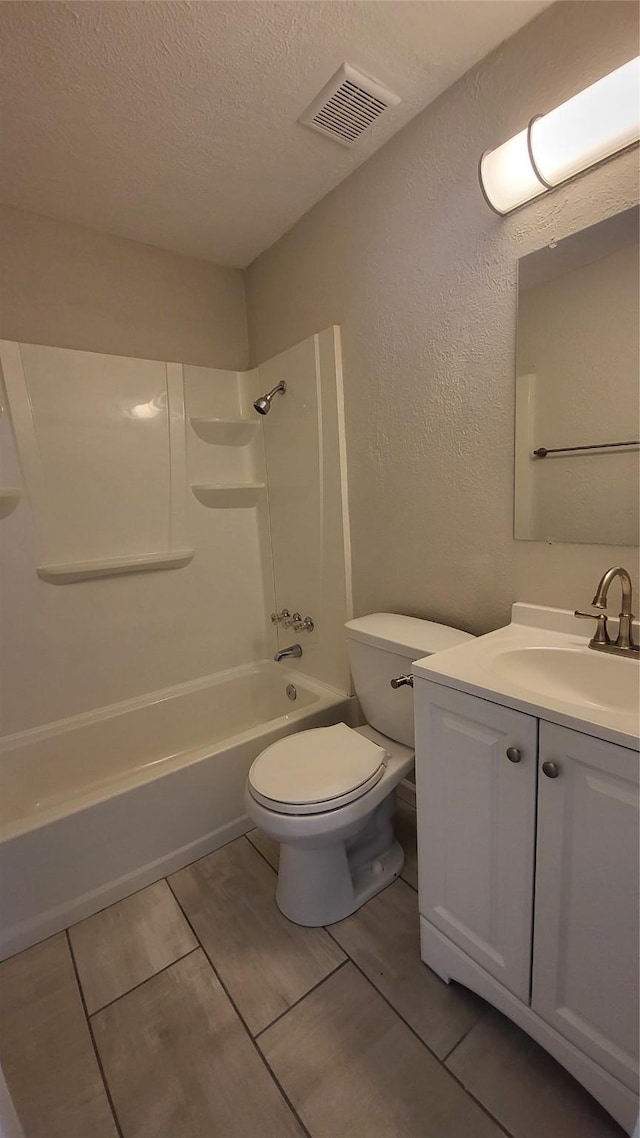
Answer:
(407, 635)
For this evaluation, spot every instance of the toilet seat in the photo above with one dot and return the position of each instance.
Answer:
(316, 770)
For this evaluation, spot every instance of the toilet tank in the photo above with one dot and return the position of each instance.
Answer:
(382, 646)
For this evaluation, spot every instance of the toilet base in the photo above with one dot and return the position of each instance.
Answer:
(319, 885)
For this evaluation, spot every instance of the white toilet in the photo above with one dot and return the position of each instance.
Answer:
(328, 795)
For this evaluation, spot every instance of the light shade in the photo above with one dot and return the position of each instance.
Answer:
(592, 126)
(507, 175)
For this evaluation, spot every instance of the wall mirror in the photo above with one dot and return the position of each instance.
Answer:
(577, 463)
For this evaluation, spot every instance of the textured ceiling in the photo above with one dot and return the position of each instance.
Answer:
(175, 123)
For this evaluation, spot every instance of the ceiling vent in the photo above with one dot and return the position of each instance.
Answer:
(348, 106)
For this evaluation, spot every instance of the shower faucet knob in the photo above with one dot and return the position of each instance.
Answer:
(293, 620)
(302, 624)
(276, 617)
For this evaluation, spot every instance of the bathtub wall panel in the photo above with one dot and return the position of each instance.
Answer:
(68, 649)
(229, 396)
(110, 458)
(307, 487)
(92, 431)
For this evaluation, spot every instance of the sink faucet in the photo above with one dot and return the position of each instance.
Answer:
(293, 652)
(624, 645)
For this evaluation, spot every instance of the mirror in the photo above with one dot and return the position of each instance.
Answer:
(577, 465)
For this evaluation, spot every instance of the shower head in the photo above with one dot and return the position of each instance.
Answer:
(263, 404)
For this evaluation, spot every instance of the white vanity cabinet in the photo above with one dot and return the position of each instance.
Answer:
(477, 828)
(528, 878)
(585, 949)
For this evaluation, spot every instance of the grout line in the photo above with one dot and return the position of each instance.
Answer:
(202, 857)
(243, 1022)
(36, 943)
(347, 960)
(199, 946)
(385, 998)
(441, 1062)
(485, 1110)
(103, 1076)
(149, 885)
(462, 1037)
(141, 983)
(327, 929)
(112, 904)
(259, 851)
(409, 883)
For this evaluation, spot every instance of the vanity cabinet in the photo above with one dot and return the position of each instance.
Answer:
(528, 878)
(477, 828)
(585, 949)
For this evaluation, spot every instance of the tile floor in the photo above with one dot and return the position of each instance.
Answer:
(194, 1009)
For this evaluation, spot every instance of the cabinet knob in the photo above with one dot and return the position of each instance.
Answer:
(552, 770)
(514, 755)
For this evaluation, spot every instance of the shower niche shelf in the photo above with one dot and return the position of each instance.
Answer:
(9, 498)
(69, 572)
(226, 432)
(229, 496)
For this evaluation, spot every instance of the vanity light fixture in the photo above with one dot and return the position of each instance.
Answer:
(589, 128)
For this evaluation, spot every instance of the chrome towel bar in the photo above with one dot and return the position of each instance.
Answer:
(542, 452)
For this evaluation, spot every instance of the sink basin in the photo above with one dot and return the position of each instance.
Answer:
(541, 663)
(578, 675)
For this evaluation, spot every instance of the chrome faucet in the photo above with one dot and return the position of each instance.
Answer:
(293, 652)
(600, 641)
(276, 617)
(293, 620)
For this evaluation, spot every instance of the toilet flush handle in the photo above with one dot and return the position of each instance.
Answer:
(405, 680)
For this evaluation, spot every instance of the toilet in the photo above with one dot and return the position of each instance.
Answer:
(328, 795)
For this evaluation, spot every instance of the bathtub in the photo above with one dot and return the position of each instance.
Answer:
(94, 807)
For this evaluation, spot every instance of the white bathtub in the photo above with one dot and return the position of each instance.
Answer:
(93, 808)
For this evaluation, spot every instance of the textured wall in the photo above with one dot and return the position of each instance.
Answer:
(421, 275)
(72, 287)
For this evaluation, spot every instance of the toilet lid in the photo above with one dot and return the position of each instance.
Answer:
(317, 770)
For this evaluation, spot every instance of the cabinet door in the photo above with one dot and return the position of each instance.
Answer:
(476, 827)
(585, 955)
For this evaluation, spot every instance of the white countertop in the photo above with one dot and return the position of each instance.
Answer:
(481, 667)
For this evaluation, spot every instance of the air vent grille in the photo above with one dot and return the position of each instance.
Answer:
(348, 106)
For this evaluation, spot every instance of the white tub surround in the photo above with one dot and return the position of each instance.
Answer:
(115, 581)
(10, 478)
(102, 446)
(305, 448)
(136, 467)
(528, 826)
(100, 805)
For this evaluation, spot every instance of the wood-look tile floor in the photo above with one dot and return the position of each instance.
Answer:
(194, 1009)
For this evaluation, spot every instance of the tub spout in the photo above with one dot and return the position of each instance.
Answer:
(293, 652)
